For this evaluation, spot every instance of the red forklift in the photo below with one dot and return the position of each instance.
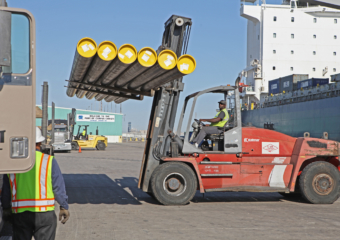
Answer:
(240, 159)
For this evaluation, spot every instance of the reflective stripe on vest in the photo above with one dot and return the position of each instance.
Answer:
(223, 121)
(32, 191)
(32, 203)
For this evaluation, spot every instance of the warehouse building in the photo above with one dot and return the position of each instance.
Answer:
(109, 124)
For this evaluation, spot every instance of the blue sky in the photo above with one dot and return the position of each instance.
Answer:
(217, 41)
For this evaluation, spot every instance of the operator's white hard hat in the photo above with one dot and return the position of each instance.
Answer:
(38, 136)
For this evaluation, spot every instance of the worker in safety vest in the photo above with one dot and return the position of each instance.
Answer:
(217, 123)
(84, 133)
(33, 195)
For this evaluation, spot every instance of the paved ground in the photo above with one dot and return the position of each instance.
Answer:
(105, 203)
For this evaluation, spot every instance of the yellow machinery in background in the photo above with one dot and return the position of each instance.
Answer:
(88, 142)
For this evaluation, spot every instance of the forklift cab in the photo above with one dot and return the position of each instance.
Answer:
(230, 140)
(80, 135)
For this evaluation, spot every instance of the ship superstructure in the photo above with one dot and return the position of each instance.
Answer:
(292, 38)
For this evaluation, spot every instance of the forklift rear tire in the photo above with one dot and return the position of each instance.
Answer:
(173, 183)
(74, 146)
(101, 146)
(320, 183)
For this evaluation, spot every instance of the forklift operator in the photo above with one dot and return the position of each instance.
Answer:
(216, 126)
(83, 133)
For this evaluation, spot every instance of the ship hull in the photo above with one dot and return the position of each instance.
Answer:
(315, 117)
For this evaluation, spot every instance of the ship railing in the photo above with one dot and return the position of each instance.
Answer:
(332, 90)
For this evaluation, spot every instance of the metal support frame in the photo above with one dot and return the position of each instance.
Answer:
(44, 118)
(140, 97)
(53, 117)
(150, 93)
(164, 107)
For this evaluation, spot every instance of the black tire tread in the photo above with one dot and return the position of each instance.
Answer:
(74, 144)
(304, 185)
(101, 146)
(161, 168)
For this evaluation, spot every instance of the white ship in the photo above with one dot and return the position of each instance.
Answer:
(292, 38)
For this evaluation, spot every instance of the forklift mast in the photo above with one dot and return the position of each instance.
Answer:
(164, 107)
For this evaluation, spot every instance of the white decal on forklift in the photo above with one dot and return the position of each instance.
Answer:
(91, 46)
(270, 148)
(234, 132)
(85, 48)
(148, 52)
(145, 57)
(121, 55)
(276, 176)
(129, 54)
(251, 140)
(279, 160)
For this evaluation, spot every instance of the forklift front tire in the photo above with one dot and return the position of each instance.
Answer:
(74, 146)
(173, 183)
(320, 183)
(101, 146)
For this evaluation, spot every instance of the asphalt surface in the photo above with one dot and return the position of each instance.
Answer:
(105, 203)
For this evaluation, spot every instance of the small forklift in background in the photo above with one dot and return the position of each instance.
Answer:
(88, 142)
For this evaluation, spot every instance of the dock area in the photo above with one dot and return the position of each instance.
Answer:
(105, 203)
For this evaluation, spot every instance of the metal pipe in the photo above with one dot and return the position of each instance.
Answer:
(85, 51)
(186, 64)
(164, 65)
(127, 54)
(44, 104)
(106, 52)
(167, 60)
(53, 113)
(147, 57)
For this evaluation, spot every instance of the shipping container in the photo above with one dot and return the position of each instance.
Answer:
(289, 83)
(335, 77)
(274, 86)
(313, 82)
